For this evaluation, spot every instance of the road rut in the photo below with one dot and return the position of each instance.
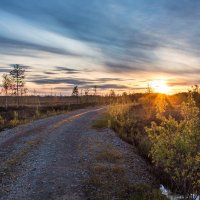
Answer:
(50, 158)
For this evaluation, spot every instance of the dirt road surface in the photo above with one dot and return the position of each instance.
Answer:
(51, 158)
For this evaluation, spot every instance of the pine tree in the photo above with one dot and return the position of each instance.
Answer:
(75, 92)
(18, 76)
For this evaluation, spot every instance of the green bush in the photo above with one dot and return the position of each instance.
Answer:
(172, 144)
(175, 148)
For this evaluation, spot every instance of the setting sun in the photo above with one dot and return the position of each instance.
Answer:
(160, 86)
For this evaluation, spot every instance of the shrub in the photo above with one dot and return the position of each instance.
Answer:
(15, 121)
(175, 148)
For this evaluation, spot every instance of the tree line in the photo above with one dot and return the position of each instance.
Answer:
(13, 84)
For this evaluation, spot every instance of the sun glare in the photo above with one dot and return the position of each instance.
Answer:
(160, 86)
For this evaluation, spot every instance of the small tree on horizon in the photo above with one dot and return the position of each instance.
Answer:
(18, 76)
(95, 90)
(112, 93)
(86, 91)
(149, 89)
(75, 92)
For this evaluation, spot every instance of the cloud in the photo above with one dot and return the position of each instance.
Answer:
(125, 37)
(110, 86)
(63, 88)
(28, 48)
(103, 80)
(100, 87)
(60, 81)
(67, 70)
(39, 36)
(99, 82)
(187, 9)
(183, 82)
(185, 65)
(50, 73)
(23, 66)
(4, 70)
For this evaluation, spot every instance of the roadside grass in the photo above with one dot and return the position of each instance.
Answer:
(109, 155)
(108, 179)
(17, 121)
(13, 116)
(101, 123)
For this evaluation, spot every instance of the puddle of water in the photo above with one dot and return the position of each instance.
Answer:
(173, 196)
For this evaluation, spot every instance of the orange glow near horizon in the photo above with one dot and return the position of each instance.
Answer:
(160, 86)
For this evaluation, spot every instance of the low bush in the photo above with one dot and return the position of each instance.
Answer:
(171, 143)
(175, 148)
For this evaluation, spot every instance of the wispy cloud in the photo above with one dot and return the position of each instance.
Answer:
(78, 38)
(31, 33)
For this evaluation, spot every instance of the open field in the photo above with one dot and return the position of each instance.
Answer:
(35, 107)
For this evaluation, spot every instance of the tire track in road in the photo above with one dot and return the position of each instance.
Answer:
(56, 164)
(15, 148)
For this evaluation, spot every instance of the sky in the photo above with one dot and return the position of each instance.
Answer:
(113, 44)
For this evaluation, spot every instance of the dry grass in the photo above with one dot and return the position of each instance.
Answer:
(14, 116)
(109, 155)
(108, 179)
(101, 123)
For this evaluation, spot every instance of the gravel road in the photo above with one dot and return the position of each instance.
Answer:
(50, 158)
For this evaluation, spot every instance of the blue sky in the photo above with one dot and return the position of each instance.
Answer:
(111, 43)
